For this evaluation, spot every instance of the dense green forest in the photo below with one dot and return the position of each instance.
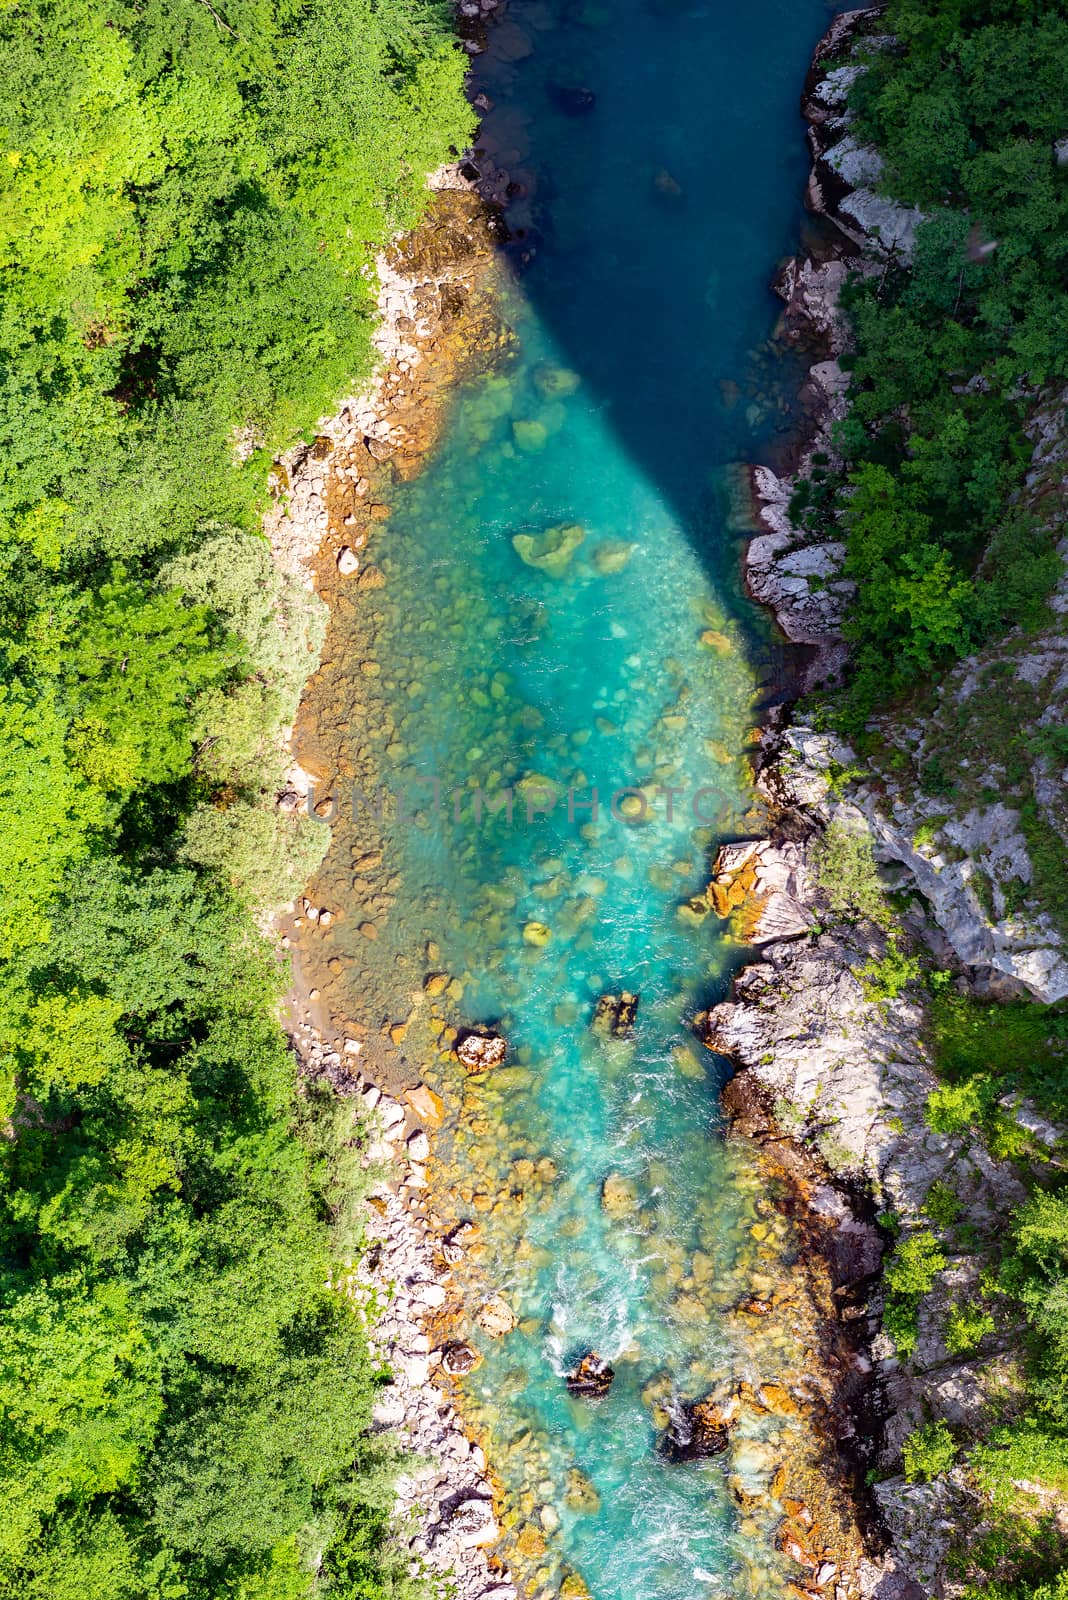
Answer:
(953, 354)
(192, 194)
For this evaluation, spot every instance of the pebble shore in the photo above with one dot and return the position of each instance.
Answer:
(445, 1501)
(444, 1514)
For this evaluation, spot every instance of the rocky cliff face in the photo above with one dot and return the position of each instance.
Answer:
(956, 814)
(793, 566)
(969, 795)
(848, 1076)
(969, 799)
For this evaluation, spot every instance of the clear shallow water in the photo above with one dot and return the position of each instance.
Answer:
(650, 223)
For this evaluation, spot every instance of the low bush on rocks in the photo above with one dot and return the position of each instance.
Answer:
(885, 979)
(917, 1260)
(966, 1328)
(928, 1452)
(845, 870)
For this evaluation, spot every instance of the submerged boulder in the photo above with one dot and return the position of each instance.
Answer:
(529, 434)
(552, 550)
(619, 1195)
(666, 185)
(614, 1015)
(553, 383)
(715, 640)
(694, 910)
(612, 555)
(496, 1317)
(581, 1495)
(573, 99)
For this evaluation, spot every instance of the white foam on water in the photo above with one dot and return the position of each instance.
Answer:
(668, 1532)
(589, 1316)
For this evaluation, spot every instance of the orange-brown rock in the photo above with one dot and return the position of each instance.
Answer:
(712, 639)
(591, 1378)
(427, 1105)
(778, 1400)
(696, 1430)
(748, 1397)
(754, 1306)
(727, 896)
(790, 1543)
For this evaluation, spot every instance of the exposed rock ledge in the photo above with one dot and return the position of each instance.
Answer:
(954, 862)
(964, 857)
(848, 1077)
(795, 572)
(843, 184)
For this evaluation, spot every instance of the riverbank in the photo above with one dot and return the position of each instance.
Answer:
(832, 1029)
(438, 326)
(402, 1283)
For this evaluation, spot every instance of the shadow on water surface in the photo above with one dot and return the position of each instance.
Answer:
(656, 161)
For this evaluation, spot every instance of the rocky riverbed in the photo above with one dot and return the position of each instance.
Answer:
(443, 1227)
(431, 1264)
(402, 1287)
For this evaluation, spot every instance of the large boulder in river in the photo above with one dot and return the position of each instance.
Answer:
(496, 1317)
(695, 1430)
(459, 1359)
(591, 1378)
(619, 1195)
(480, 1051)
(614, 1015)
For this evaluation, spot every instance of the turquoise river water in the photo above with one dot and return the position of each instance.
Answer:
(658, 161)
